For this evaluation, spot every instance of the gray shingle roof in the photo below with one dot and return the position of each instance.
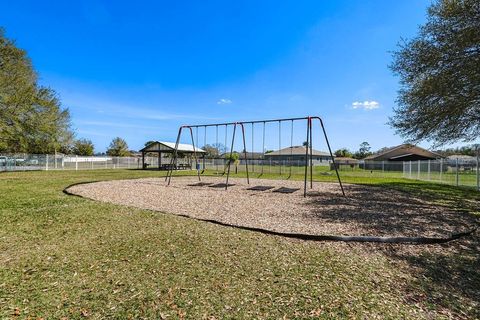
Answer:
(296, 151)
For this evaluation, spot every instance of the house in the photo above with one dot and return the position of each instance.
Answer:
(161, 148)
(344, 162)
(404, 152)
(462, 162)
(296, 154)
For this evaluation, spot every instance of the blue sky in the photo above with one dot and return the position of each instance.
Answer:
(140, 69)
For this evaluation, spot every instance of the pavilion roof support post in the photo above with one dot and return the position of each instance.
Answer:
(245, 151)
(195, 152)
(306, 158)
(331, 154)
(174, 157)
(159, 160)
(231, 154)
(143, 160)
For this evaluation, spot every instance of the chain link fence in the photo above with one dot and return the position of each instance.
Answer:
(27, 162)
(453, 171)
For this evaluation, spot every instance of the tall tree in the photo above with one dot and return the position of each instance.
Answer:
(118, 148)
(439, 98)
(31, 117)
(343, 153)
(363, 151)
(83, 147)
(211, 151)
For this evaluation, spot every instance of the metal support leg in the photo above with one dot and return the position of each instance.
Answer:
(231, 154)
(195, 154)
(331, 155)
(173, 161)
(311, 156)
(306, 159)
(245, 152)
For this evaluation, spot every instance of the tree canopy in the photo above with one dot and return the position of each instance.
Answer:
(118, 148)
(439, 97)
(344, 152)
(363, 151)
(83, 147)
(214, 150)
(31, 116)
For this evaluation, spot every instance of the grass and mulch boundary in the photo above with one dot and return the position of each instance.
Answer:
(70, 257)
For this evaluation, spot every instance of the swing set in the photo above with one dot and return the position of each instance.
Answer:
(308, 161)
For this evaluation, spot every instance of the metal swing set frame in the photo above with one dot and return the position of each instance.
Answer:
(308, 150)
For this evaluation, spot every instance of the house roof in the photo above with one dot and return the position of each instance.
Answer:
(296, 151)
(461, 156)
(401, 151)
(241, 155)
(345, 160)
(163, 146)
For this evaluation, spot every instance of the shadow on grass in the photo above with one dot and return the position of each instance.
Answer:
(448, 274)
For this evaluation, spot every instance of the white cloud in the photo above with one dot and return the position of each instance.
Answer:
(366, 105)
(224, 101)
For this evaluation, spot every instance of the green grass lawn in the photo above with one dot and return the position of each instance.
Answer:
(65, 256)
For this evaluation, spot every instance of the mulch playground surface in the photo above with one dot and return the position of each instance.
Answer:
(279, 206)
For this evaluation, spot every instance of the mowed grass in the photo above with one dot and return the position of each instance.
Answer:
(65, 256)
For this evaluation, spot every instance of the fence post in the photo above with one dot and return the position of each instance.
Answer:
(76, 162)
(441, 170)
(428, 170)
(456, 171)
(418, 170)
(46, 162)
(478, 170)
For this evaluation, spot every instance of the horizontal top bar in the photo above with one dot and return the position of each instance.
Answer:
(250, 122)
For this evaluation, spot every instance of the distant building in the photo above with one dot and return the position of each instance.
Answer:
(297, 154)
(344, 162)
(162, 148)
(461, 159)
(404, 152)
(462, 162)
(241, 155)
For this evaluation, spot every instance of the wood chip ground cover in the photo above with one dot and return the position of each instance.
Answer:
(366, 210)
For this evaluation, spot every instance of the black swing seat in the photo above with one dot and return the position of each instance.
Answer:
(260, 188)
(199, 184)
(286, 190)
(221, 185)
